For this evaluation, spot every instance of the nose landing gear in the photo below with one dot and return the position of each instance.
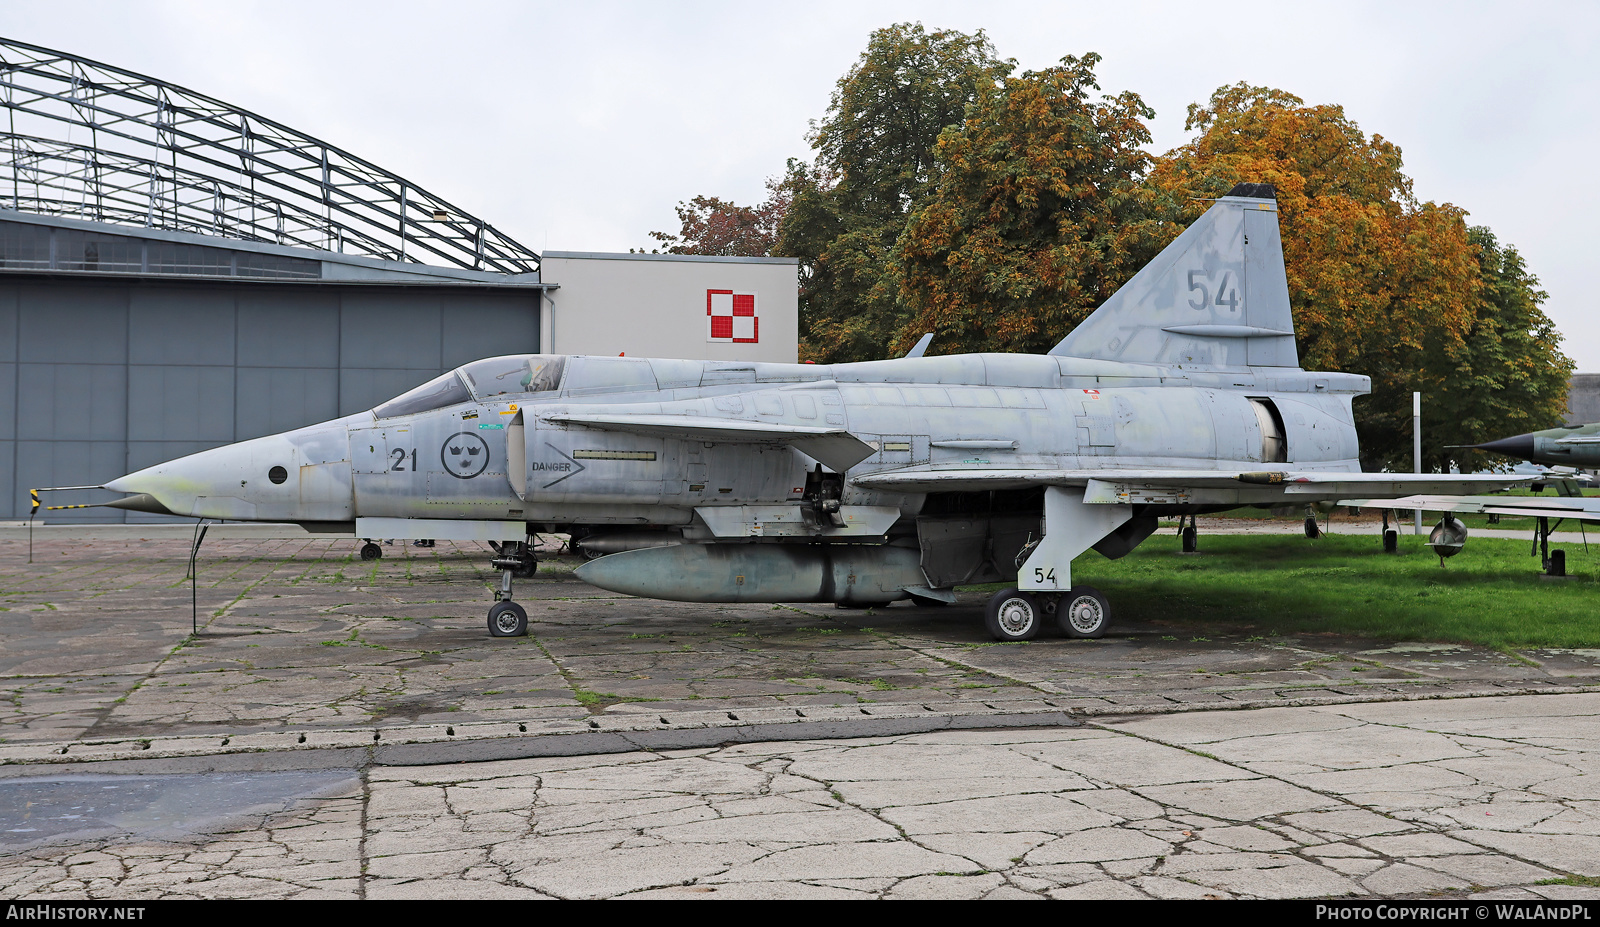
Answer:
(514, 559)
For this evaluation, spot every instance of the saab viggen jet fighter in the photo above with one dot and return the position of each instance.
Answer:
(858, 484)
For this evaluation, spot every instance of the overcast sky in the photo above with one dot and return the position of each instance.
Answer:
(578, 126)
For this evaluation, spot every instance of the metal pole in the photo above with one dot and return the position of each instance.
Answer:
(1416, 446)
(194, 576)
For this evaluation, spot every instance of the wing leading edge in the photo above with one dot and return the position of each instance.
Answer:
(1579, 508)
(1218, 487)
(840, 450)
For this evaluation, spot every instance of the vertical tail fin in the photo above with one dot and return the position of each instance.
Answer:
(1216, 297)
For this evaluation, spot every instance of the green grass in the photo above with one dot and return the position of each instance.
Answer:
(594, 701)
(1489, 594)
(1585, 881)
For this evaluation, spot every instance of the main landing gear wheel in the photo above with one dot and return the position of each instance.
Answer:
(371, 551)
(1013, 616)
(1083, 612)
(507, 619)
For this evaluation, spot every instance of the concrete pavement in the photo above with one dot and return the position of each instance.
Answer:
(1476, 798)
(307, 743)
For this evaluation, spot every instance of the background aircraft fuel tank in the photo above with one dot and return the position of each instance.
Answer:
(854, 574)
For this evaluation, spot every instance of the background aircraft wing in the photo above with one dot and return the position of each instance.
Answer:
(1576, 507)
(835, 447)
(1196, 486)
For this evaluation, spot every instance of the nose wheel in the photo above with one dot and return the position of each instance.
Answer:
(513, 560)
(507, 619)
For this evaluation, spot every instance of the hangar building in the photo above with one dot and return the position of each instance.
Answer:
(178, 274)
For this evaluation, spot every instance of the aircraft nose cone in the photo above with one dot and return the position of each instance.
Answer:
(1520, 446)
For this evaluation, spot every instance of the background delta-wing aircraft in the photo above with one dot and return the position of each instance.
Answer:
(857, 484)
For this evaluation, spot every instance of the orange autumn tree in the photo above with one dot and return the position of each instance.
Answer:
(1040, 214)
(1381, 284)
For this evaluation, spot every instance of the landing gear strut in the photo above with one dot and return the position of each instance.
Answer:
(514, 559)
(1044, 579)
(1189, 535)
(1554, 561)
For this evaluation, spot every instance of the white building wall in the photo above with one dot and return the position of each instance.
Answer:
(654, 305)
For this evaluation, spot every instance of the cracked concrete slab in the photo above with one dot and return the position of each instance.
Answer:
(300, 635)
(1342, 767)
(800, 820)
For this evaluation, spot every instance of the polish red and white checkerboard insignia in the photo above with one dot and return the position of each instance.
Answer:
(731, 317)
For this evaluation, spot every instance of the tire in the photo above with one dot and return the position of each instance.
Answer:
(507, 619)
(371, 551)
(529, 567)
(1084, 613)
(1313, 531)
(1013, 616)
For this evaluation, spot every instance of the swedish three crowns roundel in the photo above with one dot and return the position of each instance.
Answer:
(464, 455)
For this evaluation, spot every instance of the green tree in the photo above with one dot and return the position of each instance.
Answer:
(1510, 376)
(874, 165)
(1040, 214)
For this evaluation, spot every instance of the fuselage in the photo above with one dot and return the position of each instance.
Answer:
(477, 444)
(1578, 446)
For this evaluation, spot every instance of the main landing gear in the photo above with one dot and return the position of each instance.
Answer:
(1554, 561)
(1013, 615)
(513, 559)
(1391, 537)
(370, 550)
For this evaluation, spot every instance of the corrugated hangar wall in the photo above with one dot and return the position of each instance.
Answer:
(100, 378)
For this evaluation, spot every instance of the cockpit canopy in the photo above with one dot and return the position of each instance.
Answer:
(542, 375)
(519, 374)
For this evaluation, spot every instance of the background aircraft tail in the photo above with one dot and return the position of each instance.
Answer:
(1216, 297)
